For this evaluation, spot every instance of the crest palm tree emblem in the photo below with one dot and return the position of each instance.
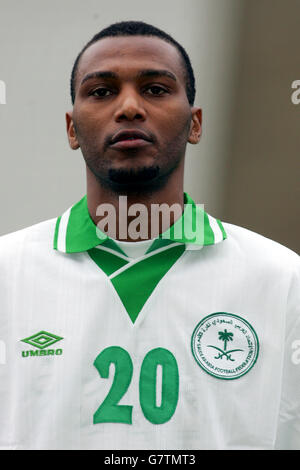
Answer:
(215, 342)
(225, 336)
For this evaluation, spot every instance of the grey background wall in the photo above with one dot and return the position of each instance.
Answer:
(245, 58)
(262, 189)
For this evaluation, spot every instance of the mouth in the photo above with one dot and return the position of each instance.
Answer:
(130, 138)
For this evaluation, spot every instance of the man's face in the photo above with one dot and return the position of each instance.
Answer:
(131, 116)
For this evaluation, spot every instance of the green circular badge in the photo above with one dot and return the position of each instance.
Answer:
(225, 345)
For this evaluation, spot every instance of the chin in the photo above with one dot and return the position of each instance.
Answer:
(134, 176)
(144, 180)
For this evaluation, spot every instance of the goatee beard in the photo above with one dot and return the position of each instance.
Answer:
(135, 181)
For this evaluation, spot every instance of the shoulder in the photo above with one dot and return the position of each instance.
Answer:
(259, 251)
(29, 238)
(249, 240)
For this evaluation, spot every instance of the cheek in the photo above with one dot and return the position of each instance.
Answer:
(88, 122)
(177, 125)
(177, 115)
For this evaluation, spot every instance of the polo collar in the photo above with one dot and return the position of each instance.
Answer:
(76, 232)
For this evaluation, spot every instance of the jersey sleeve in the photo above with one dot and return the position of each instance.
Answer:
(5, 361)
(288, 430)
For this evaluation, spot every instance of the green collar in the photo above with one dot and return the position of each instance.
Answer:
(75, 231)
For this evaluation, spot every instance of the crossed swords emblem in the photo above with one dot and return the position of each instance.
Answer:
(224, 336)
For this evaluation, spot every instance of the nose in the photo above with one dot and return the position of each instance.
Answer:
(130, 106)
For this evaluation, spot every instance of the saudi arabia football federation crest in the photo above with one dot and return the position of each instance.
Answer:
(225, 345)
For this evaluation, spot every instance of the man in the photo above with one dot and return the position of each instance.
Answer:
(127, 332)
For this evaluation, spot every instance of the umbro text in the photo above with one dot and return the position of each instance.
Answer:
(42, 352)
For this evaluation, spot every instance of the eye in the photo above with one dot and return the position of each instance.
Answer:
(101, 92)
(156, 90)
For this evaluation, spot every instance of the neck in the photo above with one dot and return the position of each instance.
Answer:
(116, 215)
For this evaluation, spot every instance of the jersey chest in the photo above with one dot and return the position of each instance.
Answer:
(89, 376)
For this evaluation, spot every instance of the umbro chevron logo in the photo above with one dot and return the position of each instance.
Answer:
(42, 341)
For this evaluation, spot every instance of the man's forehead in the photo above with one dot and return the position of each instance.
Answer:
(148, 51)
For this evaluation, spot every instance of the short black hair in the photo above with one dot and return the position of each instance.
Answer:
(139, 28)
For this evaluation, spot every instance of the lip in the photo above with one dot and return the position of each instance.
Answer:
(130, 138)
(129, 144)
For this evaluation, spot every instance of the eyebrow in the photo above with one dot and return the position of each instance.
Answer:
(143, 73)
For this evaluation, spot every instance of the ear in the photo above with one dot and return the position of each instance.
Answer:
(71, 131)
(196, 126)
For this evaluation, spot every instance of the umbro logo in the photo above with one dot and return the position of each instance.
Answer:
(41, 341)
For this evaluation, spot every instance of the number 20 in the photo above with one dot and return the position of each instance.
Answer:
(110, 412)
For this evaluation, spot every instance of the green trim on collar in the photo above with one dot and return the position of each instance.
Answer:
(135, 285)
(75, 230)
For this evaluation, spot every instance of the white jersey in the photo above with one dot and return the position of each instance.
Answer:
(193, 345)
